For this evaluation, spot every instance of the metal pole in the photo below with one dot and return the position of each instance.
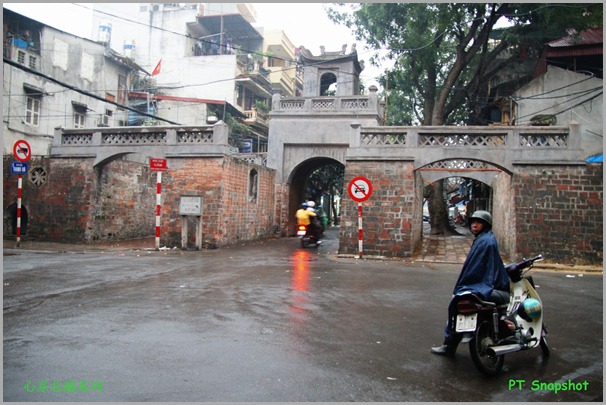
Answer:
(19, 196)
(158, 207)
(360, 231)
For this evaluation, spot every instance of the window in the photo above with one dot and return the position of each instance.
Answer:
(79, 114)
(26, 58)
(21, 57)
(33, 103)
(79, 119)
(32, 62)
(32, 110)
(253, 185)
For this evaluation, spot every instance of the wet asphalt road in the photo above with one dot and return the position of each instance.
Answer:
(268, 321)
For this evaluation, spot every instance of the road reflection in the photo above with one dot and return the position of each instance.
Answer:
(300, 278)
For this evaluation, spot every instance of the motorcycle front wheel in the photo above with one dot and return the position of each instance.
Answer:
(478, 345)
(543, 342)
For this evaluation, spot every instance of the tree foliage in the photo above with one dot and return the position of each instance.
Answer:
(445, 53)
(325, 180)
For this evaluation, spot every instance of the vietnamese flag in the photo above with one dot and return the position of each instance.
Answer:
(157, 68)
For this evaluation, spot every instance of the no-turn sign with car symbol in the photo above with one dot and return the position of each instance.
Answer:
(22, 151)
(360, 189)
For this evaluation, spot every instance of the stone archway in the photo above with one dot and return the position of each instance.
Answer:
(497, 178)
(296, 184)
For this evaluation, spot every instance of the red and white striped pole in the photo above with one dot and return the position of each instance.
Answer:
(158, 207)
(19, 197)
(360, 231)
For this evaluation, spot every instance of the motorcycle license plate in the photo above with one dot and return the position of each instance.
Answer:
(466, 323)
(300, 233)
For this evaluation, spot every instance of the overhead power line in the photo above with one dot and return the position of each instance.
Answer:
(86, 93)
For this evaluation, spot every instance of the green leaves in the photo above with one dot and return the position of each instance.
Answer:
(446, 53)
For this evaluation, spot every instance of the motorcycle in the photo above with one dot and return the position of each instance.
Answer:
(493, 331)
(307, 237)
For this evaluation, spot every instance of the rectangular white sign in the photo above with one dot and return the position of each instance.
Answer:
(190, 205)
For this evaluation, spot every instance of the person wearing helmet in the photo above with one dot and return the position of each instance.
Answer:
(483, 273)
(303, 214)
(315, 227)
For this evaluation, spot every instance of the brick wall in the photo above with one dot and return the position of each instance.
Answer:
(229, 213)
(559, 212)
(123, 203)
(117, 201)
(390, 227)
(49, 217)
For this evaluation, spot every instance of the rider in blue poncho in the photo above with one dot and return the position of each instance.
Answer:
(483, 273)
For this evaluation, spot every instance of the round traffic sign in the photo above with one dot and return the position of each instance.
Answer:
(360, 189)
(22, 151)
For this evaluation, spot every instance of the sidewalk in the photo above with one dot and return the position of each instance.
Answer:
(132, 244)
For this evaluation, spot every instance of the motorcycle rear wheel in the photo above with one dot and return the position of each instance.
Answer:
(478, 345)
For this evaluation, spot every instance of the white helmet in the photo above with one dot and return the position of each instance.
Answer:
(311, 204)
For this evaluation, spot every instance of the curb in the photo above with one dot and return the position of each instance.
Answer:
(555, 267)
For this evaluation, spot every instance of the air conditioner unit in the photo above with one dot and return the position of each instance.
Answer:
(105, 118)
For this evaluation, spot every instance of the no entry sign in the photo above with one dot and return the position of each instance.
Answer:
(22, 151)
(360, 189)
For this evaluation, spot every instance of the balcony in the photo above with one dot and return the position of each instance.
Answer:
(256, 117)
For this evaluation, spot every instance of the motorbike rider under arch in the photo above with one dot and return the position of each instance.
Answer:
(306, 216)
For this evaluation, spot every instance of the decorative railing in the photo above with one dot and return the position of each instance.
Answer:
(360, 104)
(324, 104)
(508, 145)
(133, 138)
(77, 139)
(163, 141)
(543, 141)
(383, 138)
(465, 137)
(195, 137)
(256, 158)
(462, 140)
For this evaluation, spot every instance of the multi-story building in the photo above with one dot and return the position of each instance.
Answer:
(212, 61)
(55, 79)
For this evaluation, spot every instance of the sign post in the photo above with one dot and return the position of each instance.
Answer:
(158, 166)
(23, 153)
(360, 189)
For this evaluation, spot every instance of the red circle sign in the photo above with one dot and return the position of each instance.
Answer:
(22, 151)
(360, 189)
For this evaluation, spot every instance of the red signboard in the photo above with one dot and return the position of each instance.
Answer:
(157, 165)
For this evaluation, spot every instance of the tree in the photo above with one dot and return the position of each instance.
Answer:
(444, 52)
(445, 55)
(326, 180)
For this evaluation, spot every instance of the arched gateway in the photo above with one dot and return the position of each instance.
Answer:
(399, 161)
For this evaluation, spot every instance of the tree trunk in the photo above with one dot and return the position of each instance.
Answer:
(438, 211)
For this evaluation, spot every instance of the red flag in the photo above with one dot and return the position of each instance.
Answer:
(157, 68)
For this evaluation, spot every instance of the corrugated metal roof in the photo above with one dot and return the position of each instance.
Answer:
(592, 36)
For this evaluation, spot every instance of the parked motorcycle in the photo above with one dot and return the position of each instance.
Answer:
(493, 331)
(307, 237)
